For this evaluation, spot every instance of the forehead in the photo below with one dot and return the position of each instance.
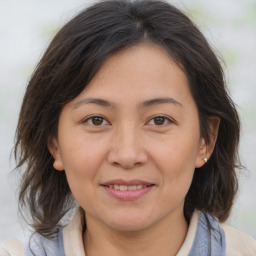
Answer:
(142, 69)
(144, 55)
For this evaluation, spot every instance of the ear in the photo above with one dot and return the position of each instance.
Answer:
(205, 150)
(53, 147)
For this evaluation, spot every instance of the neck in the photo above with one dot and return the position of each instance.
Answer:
(164, 238)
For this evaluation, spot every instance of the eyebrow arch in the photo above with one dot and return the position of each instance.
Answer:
(152, 102)
(96, 101)
(144, 104)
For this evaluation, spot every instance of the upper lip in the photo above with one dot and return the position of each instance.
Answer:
(127, 182)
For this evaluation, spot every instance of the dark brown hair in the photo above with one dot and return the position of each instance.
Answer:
(72, 59)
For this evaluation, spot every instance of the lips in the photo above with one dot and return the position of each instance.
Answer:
(126, 185)
(127, 190)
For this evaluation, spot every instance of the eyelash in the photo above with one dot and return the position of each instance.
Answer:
(99, 126)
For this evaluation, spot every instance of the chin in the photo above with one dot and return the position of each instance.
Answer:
(130, 223)
(129, 227)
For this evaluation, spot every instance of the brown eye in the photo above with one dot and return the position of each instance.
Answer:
(160, 121)
(95, 121)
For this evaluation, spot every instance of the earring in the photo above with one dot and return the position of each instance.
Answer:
(205, 159)
(57, 165)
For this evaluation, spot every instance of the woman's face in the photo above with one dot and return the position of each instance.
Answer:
(130, 142)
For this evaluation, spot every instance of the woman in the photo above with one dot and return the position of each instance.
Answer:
(128, 117)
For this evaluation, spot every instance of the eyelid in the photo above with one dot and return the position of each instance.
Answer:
(85, 121)
(170, 121)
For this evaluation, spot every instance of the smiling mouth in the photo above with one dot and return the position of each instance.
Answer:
(125, 187)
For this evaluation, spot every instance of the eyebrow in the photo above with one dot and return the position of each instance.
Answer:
(144, 104)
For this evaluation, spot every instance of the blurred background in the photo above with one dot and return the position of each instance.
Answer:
(26, 28)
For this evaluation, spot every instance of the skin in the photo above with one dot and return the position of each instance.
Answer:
(128, 143)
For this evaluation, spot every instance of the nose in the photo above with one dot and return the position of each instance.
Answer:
(127, 149)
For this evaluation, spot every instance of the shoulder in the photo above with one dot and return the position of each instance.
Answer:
(40, 245)
(12, 248)
(238, 243)
(37, 245)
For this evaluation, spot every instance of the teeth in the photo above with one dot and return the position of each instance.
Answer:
(132, 187)
(124, 187)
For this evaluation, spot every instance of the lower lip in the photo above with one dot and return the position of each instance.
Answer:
(128, 194)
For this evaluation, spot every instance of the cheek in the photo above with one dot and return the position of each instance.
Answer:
(176, 155)
(176, 160)
(81, 154)
(82, 163)
(177, 174)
